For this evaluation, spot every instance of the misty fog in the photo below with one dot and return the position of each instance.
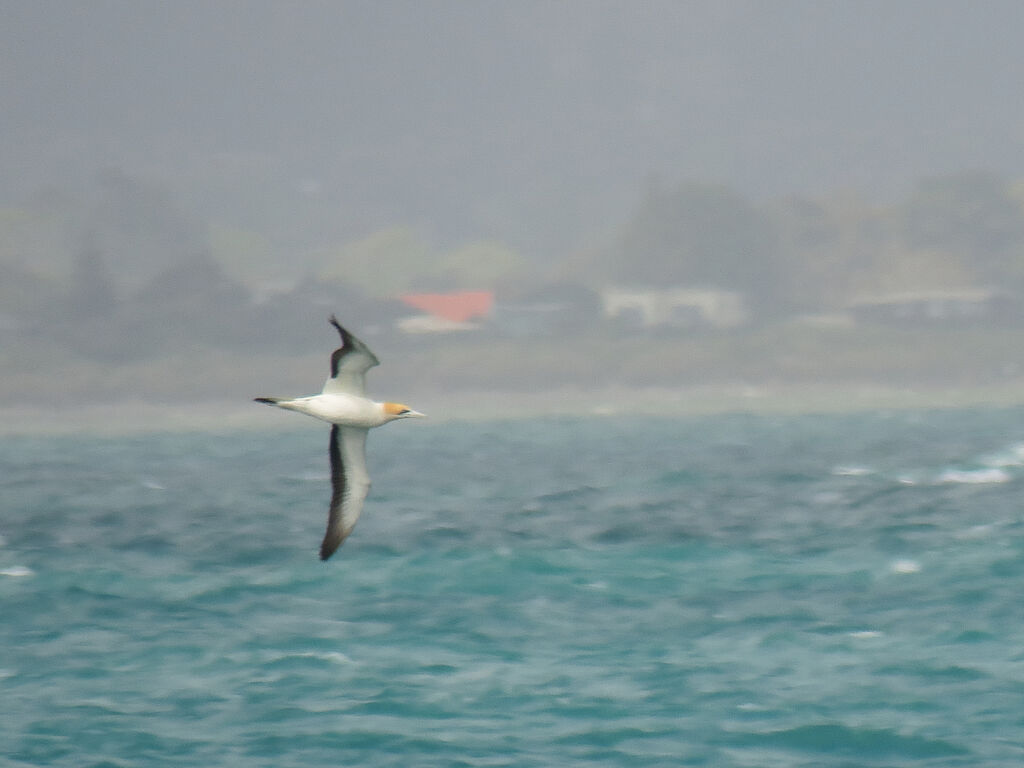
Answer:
(681, 197)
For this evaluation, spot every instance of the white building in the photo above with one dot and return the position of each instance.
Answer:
(650, 308)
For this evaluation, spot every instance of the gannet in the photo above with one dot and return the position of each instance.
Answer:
(344, 405)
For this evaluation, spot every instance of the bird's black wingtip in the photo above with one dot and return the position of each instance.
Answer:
(330, 545)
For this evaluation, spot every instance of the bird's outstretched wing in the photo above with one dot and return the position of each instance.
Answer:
(349, 485)
(349, 364)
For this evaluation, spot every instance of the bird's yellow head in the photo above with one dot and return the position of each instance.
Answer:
(398, 411)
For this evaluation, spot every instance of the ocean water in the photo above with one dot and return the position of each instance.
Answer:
(728, 591)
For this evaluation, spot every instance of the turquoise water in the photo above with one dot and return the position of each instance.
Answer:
(728, 591)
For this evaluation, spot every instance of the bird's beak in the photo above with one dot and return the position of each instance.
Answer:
(415, 415)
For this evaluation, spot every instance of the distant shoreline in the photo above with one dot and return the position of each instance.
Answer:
(140, 417)
(782, 368)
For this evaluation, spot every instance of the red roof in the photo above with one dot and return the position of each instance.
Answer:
(457, 307)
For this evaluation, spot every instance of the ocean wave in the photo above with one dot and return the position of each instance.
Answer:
(975, 532)
(308, 477)
(1012, 456)
(331, 657)
(936, 671)
(569, 494)
(830, 738)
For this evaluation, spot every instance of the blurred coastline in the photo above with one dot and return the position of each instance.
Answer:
(773, 370)
(224, 416)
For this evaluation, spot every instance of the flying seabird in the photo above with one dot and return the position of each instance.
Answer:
(344, 405)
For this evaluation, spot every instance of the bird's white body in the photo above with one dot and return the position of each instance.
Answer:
(341, 409)
(343, 404)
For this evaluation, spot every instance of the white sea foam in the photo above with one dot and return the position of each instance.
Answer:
(975, 476)
(852, 471)
(17, 571)
(865, 634)
(906, 566)
(335, 657)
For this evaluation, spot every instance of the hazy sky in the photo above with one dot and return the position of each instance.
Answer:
(532, 122)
